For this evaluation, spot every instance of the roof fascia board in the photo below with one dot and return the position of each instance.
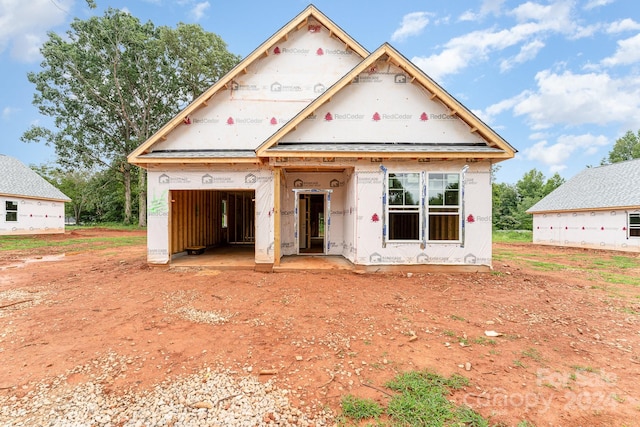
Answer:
(22, 196)
(301, 18)
(398, 59)
(603, 208)
(385, 154)
(196, 160)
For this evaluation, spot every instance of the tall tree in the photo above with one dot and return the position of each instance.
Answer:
(510, 202)
(626, 147)
(112, 81)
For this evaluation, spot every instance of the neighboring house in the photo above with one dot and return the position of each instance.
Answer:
(312, 145)
(29, 203)
(598, 208)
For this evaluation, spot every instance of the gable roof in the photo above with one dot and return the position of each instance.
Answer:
(18, 180)
(495, 147)
(603, 187)
(263, 50)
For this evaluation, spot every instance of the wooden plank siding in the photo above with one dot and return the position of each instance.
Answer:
(196, 219)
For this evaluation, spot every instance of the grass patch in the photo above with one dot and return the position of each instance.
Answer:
(619, 279)
(547, 266)
(484, 341)
(512, 236)
(533, 354)
(74, 242)
(360, 409)
(20, 243)
(420, 399)
(615, 261)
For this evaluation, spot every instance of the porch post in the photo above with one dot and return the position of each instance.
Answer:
(276, 215)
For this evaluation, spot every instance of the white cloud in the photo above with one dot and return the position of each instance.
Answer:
(527, 53)
(626, 24)
(412, 25)
(592, 4)
(534, 23)
(493, 7)
(628, 52)
(199, 10)
(575, 99)
(489, 114)
(23, 25)
(566, 146)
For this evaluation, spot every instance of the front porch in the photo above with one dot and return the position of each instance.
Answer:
(242, 257)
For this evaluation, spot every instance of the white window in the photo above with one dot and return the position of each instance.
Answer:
(11, 211)
(634, 225)
(404, 207)
(408, 214)
(443, 208)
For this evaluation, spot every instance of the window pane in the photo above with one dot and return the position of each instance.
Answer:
(634, 219)
(435, 198)
(12, 216)
(11, 206)
(396, 197)
(444, 227)
(412, 196)
(451, 198)
(395, 181)
(404, 189)
(634, 232)
(404, 226)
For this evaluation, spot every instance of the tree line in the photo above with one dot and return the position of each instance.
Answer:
(111, 82)
(511, 202)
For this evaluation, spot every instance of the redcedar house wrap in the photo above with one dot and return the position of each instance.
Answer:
(314, 145)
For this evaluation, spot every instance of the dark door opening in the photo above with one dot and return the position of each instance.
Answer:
(311, 223)
(240, 217)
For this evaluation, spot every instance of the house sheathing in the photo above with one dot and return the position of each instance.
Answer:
(340, 152)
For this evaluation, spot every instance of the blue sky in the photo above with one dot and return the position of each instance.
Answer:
(558, 79)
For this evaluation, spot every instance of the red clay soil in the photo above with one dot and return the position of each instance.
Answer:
(567, 354)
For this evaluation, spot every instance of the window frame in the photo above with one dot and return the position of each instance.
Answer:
(394, 209)
(427, 212)
(8, 211)
(633, 226)
(454, 210)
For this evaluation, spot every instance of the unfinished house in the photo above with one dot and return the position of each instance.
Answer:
(314, 146)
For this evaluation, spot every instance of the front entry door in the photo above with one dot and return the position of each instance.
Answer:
(312, 223)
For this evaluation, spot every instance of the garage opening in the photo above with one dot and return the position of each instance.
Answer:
(211, 218)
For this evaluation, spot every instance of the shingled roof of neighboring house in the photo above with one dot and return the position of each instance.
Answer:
(611, 186)
(19, 180)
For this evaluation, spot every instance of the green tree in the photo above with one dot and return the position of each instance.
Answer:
(626, 147)
(111, 82)
(510, 202)
(505, 204)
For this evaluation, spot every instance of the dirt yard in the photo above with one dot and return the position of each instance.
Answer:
(567, 350)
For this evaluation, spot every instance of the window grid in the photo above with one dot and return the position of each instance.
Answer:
(11, 211)
(634, 225)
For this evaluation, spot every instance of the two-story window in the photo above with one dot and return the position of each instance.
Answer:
(11, 211)
(408, 214)
(634, 225)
